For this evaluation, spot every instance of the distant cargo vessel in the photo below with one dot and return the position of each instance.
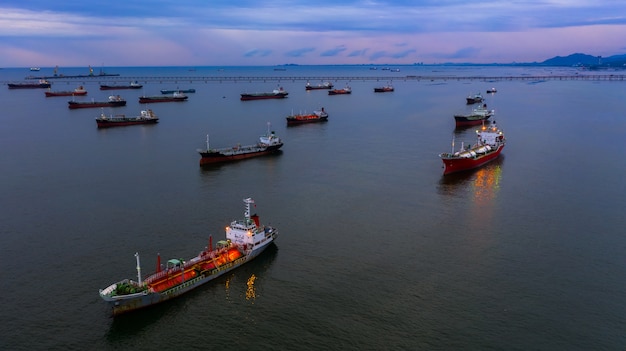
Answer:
(176, 97)
(132, 85)
(279, 93)
(302, 118)
(42, 83)
(267, 144)
(146, 117)
(80, 91)
(114, 101)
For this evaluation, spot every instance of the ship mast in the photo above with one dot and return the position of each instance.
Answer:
(248, 201)
(138, 268)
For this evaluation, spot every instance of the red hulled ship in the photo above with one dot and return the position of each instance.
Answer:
(302, 118)
(489, 144)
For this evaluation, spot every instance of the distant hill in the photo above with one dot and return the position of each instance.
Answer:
(578, 59)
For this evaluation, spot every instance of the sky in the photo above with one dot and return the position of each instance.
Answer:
(71, 33)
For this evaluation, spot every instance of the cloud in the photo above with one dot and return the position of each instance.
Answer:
(358, 53)
(257, 53)
(334, 52)
(299, 52)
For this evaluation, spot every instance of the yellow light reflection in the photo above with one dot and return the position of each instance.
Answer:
(251, 291)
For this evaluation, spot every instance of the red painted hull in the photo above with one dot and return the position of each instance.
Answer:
(110, 124)
(459, 164)
(216, 160)
(465, 122)
(294, 121)
(383, 90)
(339, 92)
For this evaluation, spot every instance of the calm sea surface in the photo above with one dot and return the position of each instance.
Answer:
(376, 249)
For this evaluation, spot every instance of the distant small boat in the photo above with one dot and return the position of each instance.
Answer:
(302, 118)
(80, 91)
(132, 85)
(114, 101)
(279, 93)
(473, 99)
(42, 83)
(175, 97)
(35, 69)
(146, 117)
(384, 89)
(325, 85)
(492, 91)
(346, 90)
(172, 91)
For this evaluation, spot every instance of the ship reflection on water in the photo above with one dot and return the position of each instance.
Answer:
(483, 182)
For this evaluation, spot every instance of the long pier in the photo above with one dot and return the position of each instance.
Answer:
(243, 79)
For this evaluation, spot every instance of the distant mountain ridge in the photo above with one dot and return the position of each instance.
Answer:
(579, 59)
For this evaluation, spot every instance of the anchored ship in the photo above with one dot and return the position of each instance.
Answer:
(317, 116)
(175, 97)
(114, 101)
(268, 144)
(245, 240)
(489, 144)
(146, 117)
(279, 93)
(478, 116)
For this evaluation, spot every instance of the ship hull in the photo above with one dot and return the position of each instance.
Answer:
(248, 97)
(318, 87)
(128, 303)
(296, 121)
(459, 164)
(218, 156)
(74, 105)
(120, 87)
(29, 86)
(65, 93)
(159, 99)
(185, 91)
(110, 124)
(464, 121)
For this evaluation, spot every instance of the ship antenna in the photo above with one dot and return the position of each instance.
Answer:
(453, 144)
(138, 268)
